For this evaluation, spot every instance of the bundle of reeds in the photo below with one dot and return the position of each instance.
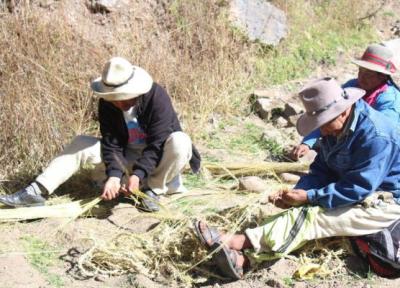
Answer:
(64, 210)
(254, 168)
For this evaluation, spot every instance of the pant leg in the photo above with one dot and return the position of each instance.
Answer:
(319, 223)
(82, 150)
(176, 154)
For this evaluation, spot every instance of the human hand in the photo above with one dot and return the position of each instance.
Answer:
(111, 188)
(299, 151)
(289, 198)
(132, 185)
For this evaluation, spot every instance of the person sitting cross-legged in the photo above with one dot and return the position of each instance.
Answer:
(141, 139)
(358, 162)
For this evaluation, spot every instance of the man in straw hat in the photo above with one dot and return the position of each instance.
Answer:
(376, 68)
(141, 138)
(359, 156)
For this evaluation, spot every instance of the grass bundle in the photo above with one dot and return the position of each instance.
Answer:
(64, 210)
(254, 168)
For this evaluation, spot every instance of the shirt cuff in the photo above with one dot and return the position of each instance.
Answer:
(115, 173)
(311, 196)
(139, 173)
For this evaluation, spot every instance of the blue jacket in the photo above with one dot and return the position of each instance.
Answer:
(365, 160)
(387, 102)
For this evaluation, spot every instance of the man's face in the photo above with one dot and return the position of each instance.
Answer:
(335, 126)
(125, 105)
(369, 80)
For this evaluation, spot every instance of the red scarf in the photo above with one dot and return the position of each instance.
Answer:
(371, 97)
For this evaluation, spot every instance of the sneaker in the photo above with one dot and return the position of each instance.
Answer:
(27, 197)
(150, 205)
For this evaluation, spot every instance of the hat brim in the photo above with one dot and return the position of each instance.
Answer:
(308, 123)
(140, 84)
(372, 66)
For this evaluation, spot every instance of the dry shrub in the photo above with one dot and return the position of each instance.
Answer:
(50, 56)
(48, 61)
(44, 77)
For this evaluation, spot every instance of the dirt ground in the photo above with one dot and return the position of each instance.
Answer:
(39, 254)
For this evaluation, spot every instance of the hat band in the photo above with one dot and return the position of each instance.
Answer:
(388, 65)
(121, 84)
(326, 107)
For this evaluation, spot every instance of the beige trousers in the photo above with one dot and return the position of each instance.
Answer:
(319, 223)
(166, 177)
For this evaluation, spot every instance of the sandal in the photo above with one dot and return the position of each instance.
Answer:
(209, 237)
(226, 261)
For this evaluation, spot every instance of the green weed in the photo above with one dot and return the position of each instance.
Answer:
(194, 181)
(288, 281)
(42, 256)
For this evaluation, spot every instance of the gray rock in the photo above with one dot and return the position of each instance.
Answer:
(142, 281)
(252, 184)
(281, 122)
(309, 157)
(292, 109)
(267, 93)
(46, 3)
(102, 6)
(264, 106)
(290, 177)
(260, 20)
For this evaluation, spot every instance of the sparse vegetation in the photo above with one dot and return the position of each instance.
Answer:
(47, 65)
(42, 256)
(209, 69)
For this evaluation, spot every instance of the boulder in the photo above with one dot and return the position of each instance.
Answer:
(264, 107)
(268, 93)
(289, 177)
(292, 109)
(252, 184)
(281, 122)
(259, 20)
(102, 6)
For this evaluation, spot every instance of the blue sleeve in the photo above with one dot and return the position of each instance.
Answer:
(318, 177)
(311, 138)
(350, 83)
(371, 163)
(387, 104)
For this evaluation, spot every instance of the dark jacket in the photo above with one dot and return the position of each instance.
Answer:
(156, 117)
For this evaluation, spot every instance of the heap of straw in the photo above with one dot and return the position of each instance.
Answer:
(170, 250)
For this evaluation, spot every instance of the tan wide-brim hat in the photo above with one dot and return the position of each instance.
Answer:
(121, 80)
(324, 100)
(377, 58)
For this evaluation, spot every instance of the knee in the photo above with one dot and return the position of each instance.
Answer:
(179, 144)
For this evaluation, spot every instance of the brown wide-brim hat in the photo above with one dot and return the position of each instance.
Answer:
(324, 100)
(377, 58)
(121, 81)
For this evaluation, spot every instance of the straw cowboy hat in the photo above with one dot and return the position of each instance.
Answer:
(377, 58)
(121, 80)
(324, 99)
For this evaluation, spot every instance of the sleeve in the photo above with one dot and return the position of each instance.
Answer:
(111, 148)
(371, 163)
(319, 175)
(386, 104)
(159, 127)
(311, 138)
(350, 83)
